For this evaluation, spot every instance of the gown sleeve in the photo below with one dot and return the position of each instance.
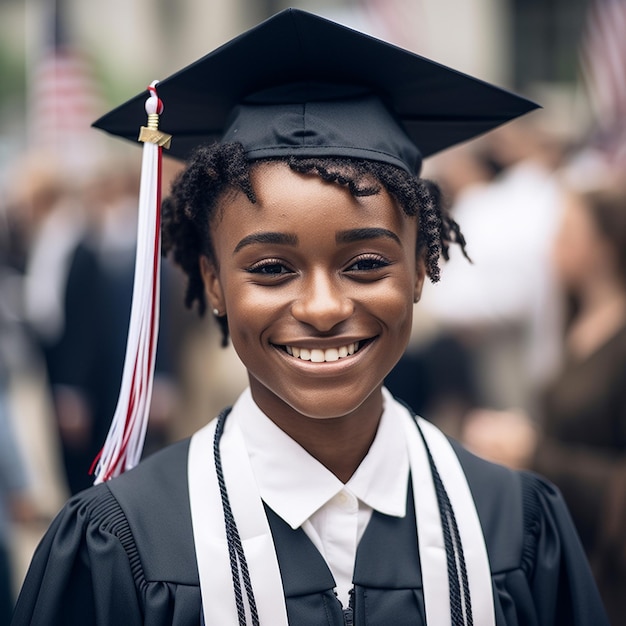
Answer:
(562, 586)
(79, 566)
(119, 553)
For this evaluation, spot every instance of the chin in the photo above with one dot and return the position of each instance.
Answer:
(328, 405)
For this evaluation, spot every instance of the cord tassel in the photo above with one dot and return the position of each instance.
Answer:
(124, 443)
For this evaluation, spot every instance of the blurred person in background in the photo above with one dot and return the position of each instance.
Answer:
(582, 447)
(579, 441)
(63, 304)
(494, 327)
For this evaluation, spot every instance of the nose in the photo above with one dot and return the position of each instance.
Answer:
(323, 302)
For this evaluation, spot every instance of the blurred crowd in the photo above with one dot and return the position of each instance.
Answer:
(521, 354)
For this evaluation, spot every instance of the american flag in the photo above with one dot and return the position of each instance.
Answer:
(603, 58)
(63, 95)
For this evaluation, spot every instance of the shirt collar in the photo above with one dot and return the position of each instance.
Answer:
(295, 485)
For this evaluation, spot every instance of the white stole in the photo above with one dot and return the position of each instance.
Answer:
(211, 547)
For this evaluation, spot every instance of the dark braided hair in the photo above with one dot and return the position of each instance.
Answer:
(223, 168)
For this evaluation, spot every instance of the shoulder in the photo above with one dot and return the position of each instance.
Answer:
(519, 511)
(498, 496)
(490, 481)
(152, 489)
(154, 498)
(158, 473)
(485, 476)
(158, 476)
(117, 552)
(146, 511)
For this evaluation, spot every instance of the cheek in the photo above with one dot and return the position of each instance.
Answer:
(243, 310)
(251, 311)
(393, 304)
(401, 312)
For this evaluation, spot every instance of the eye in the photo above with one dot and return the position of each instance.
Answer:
(368, 263)
(269, 267)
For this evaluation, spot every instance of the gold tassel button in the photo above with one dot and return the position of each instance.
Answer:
(158, 137)
(152, 134)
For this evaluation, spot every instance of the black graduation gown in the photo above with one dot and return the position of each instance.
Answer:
(123, 553)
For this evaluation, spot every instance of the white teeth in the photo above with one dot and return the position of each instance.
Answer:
(331, 355)
(318, 355)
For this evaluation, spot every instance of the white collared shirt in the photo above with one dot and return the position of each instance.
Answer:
(306, 494)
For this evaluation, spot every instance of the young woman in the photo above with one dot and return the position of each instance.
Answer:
(318, 498)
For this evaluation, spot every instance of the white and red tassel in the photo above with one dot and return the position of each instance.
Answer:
(124, 443)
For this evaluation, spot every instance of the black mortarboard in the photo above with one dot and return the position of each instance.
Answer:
(301, 84)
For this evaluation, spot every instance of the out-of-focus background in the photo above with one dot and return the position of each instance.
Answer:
(521, 354)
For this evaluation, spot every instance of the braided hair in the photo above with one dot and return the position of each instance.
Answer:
(222, 168)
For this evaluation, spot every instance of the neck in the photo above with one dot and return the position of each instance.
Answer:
(338, 446)
(338, 443)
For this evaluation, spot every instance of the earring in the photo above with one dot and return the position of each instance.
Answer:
(216, 312)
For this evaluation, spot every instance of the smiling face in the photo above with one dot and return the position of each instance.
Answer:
(318, 287)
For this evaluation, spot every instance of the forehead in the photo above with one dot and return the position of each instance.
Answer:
(308, 213)
(338, 193)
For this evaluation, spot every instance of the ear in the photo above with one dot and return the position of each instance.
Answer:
(212, 286)
(420, 275)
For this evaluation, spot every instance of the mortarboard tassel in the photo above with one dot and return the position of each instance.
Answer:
(124, 443)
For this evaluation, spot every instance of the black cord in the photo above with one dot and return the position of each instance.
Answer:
(460, 605)
(238, 564)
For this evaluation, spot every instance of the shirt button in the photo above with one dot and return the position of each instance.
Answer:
(342, 498)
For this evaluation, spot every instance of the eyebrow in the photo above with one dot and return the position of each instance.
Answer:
(284, 239)
(345, 236)
(359, 234)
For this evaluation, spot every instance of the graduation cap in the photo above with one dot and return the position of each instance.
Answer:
(297, 84)
(301, 84)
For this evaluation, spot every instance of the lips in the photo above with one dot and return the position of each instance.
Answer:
(319, 355)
